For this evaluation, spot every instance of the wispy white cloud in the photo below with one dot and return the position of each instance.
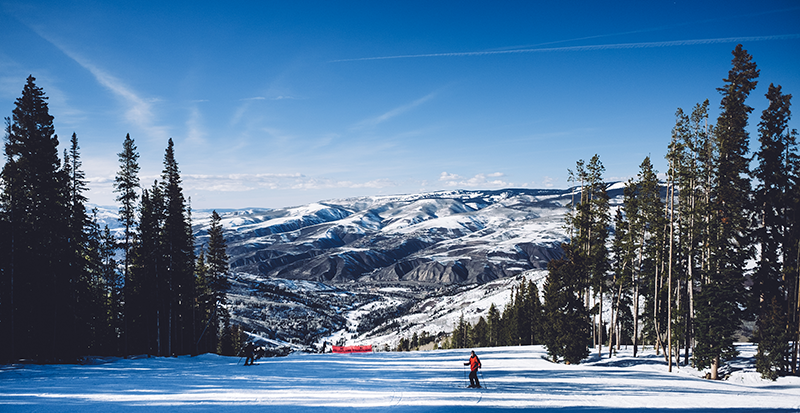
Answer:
(238, 114)
(138, 110)
(394, 112)
(240, 111)
(246, 103)
(638, 45)
(250, 182)
(548, 182)
(195, 132)
(477, 181)
(446, 176)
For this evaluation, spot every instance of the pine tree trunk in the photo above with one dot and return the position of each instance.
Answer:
(635, 318)
(669, 276)
(690, 260)
(636, 296)
(655, 315)
(158, 333)
(797, 314)
(715, 369)
(170, 333)
(690, 323)
(614, 322)
(706, 261)
(11, 293)
(601, 327)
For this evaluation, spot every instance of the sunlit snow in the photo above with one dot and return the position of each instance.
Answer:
(514, 378)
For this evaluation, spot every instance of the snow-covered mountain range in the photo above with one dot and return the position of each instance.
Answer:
(436, 238)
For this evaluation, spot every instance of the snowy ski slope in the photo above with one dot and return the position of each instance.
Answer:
(516, 379)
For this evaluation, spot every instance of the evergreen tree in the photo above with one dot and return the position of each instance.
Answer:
(534, 313)
(216, 277)
(623, 252)
(84, 266)
(146, 290)
(494, 323)
(590, 224)
(39, 316)
(179, 265)
(6, 287)
(772, 203)
(567, 328)
(791, 267)
(162, 284)
(720, 302)
(208, 340)
(643, 209)
(95, 298)
(598, 254)
(509, 335)
(692, 168)
(523, 310)
(403, 344)
(110, 284)
(676, 157)
(462, 334)
(773, 338)
(217, 255)
(126, 184)
(233, 338)
(76, 186)
(480, 333)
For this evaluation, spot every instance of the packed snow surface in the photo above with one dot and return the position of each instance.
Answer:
(514, 378)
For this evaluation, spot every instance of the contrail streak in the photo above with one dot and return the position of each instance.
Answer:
(643, 45)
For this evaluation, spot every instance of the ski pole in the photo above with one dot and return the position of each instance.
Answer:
(464, 369)
(483, 380)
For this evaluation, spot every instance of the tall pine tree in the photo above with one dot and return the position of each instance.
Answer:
(39, 315)
(772, 202)
(90, 325)
(644, 211)
(146, 289)
(567, 328)
(588, 224)
(720, 303)
(126, 184)
(692, 169)
(213, 283)
(179, 266)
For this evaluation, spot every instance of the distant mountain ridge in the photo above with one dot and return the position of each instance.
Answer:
(444, 237)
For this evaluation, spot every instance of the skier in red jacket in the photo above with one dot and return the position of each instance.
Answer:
(474, 364)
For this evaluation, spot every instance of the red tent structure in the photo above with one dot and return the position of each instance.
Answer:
(352, 349)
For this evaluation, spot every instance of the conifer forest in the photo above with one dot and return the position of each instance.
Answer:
(682, 262)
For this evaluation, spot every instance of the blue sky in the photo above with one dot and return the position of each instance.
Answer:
(275, 104)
